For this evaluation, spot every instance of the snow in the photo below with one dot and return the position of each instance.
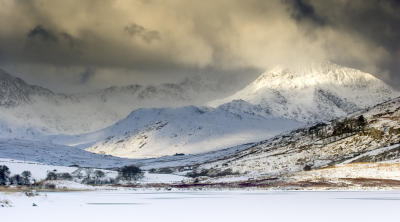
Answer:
(25, 108)
(51, 154)
(161, 178)
(151, 205)
(372, 153)
(313, 92)
(41, 115)
(279, 100)
(188, 130)
(39, 171)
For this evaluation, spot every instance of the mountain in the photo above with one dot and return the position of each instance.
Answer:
(312, 93)
(14, 91)
(165, 131)
(279, 100)
(368, 136)
(26, 108)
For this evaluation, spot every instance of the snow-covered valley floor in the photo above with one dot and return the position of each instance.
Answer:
(151, 205)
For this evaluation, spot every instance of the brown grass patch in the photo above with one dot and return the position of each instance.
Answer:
(371, 182)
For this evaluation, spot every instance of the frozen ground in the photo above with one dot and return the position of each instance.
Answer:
(58, 155)
(147, 205)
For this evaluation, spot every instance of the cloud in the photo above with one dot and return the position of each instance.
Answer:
(163, 40)
(138, 30)
(303, 10)
(87, 74)
(40, 33)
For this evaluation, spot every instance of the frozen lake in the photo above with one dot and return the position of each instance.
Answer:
(130, 205)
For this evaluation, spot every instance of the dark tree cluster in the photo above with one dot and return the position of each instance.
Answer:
(349, 126)
(97, 177)
(4, 174)
(18, 179)
(129, 173)
(52, 175)
(338, 128)
(318, 130)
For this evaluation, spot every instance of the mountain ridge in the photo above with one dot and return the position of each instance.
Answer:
(312, 93)
(59, 113)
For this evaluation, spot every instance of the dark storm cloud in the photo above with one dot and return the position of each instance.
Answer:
(88, 73)
(303, 10)
(166, 39)
(377, 22)
(71, 41)
(41, 34)
(138, 30)
(44, 45)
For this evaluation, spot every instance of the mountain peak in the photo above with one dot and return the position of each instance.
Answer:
(312, 74)
(313, 92)
(15, 91)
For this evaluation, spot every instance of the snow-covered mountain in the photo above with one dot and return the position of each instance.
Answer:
(313, 92)
(27, 111)
(279, 100)
(14, 91)
(166, 131)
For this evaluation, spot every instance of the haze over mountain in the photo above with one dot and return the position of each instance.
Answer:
(25, 106)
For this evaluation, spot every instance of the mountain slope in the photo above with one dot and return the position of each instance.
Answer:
(166, 131)
(25, 107)
(372, 135)
(14, 91)
(314, 92)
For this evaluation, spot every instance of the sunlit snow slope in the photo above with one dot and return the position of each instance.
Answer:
(314, 92)
(166, 131)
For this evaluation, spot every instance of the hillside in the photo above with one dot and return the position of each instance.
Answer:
(372, 135)
(189, 130)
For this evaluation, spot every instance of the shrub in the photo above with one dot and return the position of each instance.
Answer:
(51, 176)
(131, 172)
(16, 180)
(307, 167)
(165, 170)
(64, 176)
(211, 173)
(4, 174)
(361, 121)
(88, 180)
(5, 203)
(224, 173)
(194, 174)
(99, 174)
(375, 133)
(26, 177)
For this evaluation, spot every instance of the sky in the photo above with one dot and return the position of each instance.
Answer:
(81, 45)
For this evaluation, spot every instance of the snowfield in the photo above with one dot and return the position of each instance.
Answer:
(189, 130)
(176, 205)
(58, 155)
